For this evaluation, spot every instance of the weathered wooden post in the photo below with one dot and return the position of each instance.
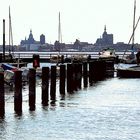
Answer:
(109, 68)
(18, 92)
(53, 84)
(99, 70)
(32, 88)
(62, 79)
(45, 85)
(91, 72)
(79, 76)
(69, 78)
(85, 74)
(74, 82)
(2, 97)
(62, 59)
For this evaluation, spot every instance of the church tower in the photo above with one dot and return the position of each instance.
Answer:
(31, 38)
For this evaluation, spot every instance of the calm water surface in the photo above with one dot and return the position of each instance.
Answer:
(108, 110)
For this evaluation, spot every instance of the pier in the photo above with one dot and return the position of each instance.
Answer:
(73, 74)
(45, 56)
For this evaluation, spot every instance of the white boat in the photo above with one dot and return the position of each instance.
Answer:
(107, 54)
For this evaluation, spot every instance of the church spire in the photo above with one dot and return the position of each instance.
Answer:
(105, 28)
(30, 31)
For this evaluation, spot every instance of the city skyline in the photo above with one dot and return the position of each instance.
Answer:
(80, 19)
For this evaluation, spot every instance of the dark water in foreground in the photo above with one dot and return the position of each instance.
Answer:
(109, 110)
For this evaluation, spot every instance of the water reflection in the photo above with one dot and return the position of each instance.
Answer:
(101, 111)
(62, 104)
(18, 114)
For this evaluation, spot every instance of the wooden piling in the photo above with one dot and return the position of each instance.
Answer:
(53, 84)
(70, 78)
(62, 79)
(99, 70)
(79, 76)
(32, 88)
(109, 68)
(2, 97)
(45, 85)
(74, 82)
(18, 92)
(91, 64)
(85, 74)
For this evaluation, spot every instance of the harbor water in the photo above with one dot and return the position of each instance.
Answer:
(107, 110)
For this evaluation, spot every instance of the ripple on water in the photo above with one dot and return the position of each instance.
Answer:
(109, 110)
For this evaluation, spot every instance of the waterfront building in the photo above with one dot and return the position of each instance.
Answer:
(31, 44)
(30, 39)
(106, 39)
(78, 45)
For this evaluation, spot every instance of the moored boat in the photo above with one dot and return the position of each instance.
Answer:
(107, 54)
(9, 77)
(131, 72)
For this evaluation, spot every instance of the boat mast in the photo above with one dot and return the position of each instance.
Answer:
(133, 39)
(10, 33)
(59, 30)
(134, 30)
(4, 39)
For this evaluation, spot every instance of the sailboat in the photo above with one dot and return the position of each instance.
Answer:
(132, 71)
(131, 57)
(8, 57)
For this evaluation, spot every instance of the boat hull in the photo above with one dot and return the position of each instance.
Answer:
(128, 73)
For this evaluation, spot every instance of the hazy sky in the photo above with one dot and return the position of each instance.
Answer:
(80, 19)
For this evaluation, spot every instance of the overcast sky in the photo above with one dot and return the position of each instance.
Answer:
(80, 19)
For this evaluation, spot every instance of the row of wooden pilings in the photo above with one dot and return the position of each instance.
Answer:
(70, 80)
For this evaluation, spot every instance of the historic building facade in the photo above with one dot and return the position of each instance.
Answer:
(106, 39)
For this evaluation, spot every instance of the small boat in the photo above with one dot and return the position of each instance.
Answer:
(7, 66)
(9, 72)
(9, 77)
(107, 54)
(131, 72)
